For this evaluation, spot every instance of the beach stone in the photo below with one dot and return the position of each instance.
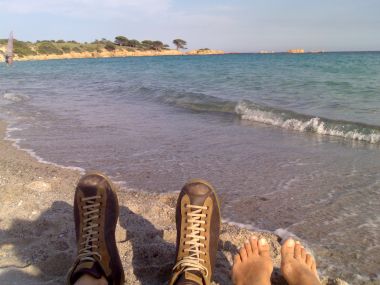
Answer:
(39, 186)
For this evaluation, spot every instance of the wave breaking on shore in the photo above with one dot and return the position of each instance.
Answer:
(249, 111)
(302, 123)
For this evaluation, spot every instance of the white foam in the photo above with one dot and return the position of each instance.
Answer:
(284, 234)
(315, 125)
(14, 97)
(244, 226)
(32, 153)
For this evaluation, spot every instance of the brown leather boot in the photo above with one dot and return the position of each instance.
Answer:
(198, 227)
(96, 210)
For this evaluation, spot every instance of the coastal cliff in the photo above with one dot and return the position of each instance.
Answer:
(296, 51)
(103, 53)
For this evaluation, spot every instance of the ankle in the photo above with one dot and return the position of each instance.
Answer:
(256, 281)
(87, 279)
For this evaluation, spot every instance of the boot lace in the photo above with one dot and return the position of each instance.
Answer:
(195, 221)
(90, 233)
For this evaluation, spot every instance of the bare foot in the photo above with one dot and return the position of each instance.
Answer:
(297, 266)
(253, 265)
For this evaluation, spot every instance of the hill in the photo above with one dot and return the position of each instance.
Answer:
(60, 49)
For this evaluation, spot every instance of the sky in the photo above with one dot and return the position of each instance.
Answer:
(233, 26)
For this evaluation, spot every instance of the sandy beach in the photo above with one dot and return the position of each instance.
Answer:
(37, 229)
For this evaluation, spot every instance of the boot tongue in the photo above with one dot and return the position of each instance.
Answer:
(190, 278)
(89, 267)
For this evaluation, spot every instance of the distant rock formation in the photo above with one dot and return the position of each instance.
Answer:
(205, 51)
(296, 51)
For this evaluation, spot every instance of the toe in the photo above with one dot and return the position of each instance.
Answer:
(243, 253)
(237, 259)
(263, 247)
(248, 248)
(297, 250)
(303, 253)
(309, 260)
(254, 245)
(287, 248)
(314, 268)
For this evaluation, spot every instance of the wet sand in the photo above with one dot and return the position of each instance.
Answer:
(37, 243)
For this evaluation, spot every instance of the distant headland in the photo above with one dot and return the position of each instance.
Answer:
(120, 47)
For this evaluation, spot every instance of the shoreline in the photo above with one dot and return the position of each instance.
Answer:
(37, 228)
(117, 53)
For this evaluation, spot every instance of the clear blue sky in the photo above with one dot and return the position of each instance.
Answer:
(235, 25)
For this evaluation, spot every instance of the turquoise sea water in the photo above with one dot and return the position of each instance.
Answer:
(292, 142)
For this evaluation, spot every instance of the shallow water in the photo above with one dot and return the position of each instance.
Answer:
(248, 123)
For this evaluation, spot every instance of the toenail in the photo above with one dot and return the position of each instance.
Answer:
(297, 242)
(253, 238)
(290, 243)
(263, 241)
(246, 241)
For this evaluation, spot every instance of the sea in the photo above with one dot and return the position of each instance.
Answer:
(290, 141)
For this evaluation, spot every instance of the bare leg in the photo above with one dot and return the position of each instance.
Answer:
(89, 280)
(297, 266)
(253, 265)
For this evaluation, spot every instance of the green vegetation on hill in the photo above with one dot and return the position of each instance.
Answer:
(48, 48)
(58, 47)
(23, 48)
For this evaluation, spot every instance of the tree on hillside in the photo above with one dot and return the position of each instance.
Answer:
(121, 40)
(180, 44)
(157, 45)
(133, 43)
(147, 44)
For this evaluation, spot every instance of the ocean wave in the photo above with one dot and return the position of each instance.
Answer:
(302, 123)
(191, 100)
(249, 111)
(14, 97)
